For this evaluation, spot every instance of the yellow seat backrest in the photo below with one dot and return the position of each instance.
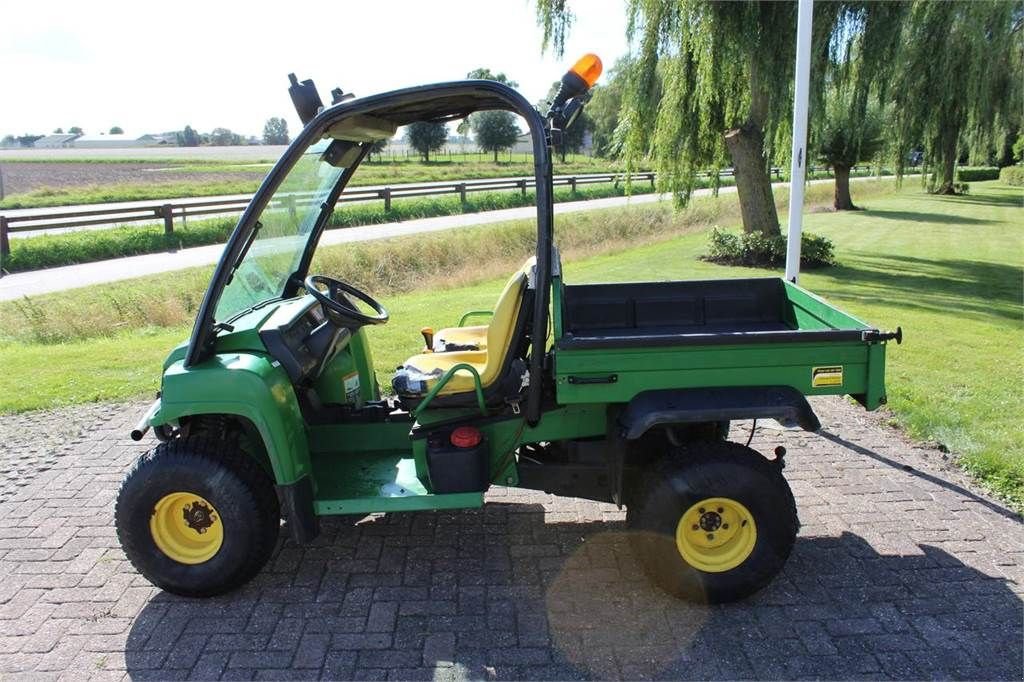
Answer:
(503, 324)
(489, 362)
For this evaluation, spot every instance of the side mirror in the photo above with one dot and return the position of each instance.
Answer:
(305, 98)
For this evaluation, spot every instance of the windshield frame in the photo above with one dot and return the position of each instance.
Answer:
(203, 333)
(291, 283)
(458, 100)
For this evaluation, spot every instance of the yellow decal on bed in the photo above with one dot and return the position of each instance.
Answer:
(822, 377)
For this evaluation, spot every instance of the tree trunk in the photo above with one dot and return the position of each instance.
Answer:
(842, 201)
(949, 149)
(495, 156)
(426, 156)
(753, 184)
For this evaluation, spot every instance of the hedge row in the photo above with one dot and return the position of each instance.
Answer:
(977, 173)
(1012, 175)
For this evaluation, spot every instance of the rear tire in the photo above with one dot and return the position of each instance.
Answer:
(713, 522)
(197, 516)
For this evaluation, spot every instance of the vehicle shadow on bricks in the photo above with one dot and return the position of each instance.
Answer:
(498, 593)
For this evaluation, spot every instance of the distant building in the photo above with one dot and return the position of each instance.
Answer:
(524, 143)
(57, 141)
(154, 141)
(170, 139)
(117, 141)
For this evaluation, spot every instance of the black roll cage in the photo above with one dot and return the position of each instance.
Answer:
(435, 102)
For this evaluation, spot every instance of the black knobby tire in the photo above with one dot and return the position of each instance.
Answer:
(697, 472)
(233, 482)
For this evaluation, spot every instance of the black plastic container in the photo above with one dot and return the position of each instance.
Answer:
(456, 469)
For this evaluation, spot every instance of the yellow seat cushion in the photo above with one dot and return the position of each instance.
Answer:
(433, 365)
(421, 372)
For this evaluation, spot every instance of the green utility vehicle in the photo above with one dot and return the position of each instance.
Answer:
(621, 393)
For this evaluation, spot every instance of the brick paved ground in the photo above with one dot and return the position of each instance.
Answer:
(901, 570)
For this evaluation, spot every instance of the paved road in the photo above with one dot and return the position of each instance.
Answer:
(36, 282)
(901, 571)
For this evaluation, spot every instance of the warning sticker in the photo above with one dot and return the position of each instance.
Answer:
(352, 387)
(826, 376)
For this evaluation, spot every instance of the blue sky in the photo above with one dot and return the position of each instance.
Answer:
(151, 67)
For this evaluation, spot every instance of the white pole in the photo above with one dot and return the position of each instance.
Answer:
(798, 168)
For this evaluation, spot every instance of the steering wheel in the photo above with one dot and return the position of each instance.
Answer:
(338, 307)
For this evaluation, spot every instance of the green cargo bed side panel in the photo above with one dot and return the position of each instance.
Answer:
(250, 385)
(809, 308)
(638, 369)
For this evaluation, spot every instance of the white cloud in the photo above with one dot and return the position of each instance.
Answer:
(151, 68)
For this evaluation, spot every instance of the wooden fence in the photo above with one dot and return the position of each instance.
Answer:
(169, 212)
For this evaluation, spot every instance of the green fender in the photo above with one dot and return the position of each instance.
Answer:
(250, 385)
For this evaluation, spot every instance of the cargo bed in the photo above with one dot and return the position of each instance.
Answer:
(734, 332)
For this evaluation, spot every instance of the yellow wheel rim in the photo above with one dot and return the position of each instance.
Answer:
(186, 528)
(716, 535)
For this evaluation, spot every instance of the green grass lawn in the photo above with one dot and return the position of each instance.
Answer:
(947, 269)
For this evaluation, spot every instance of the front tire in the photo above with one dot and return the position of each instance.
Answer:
(197, 517)
(713, 522)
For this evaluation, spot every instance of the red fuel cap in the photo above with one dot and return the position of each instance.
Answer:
(466, 437)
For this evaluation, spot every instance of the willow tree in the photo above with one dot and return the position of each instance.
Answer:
(841, 138)
(603, 109)
(712, 81)
(957, 85)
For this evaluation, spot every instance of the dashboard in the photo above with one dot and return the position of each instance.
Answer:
(300, 337)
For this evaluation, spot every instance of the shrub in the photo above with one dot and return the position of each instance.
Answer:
(754, 249)
(816, 251)
(1012, 175)
(977, 174)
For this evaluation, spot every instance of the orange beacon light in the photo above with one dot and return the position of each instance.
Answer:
(588, 68)
(577, 80)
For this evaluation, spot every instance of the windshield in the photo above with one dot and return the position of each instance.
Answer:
(281, 233)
